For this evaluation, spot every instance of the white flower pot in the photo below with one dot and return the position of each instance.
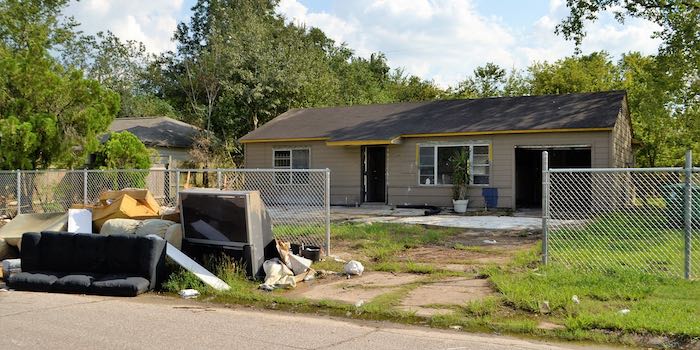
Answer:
(460, 205)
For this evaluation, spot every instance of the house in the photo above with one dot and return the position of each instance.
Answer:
(399, 153)
(171, 138)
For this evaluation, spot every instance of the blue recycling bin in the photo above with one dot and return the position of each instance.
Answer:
(490, 197)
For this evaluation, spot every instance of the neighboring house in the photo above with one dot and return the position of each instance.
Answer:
(399, 153)
(172, 138)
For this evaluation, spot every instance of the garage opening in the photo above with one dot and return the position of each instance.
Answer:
(528, 169)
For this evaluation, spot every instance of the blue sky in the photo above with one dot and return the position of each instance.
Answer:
(439, 40)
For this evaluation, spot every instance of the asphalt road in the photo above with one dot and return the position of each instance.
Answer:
(60, 321)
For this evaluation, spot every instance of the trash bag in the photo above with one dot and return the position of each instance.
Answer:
(354, 268)
(120, 227)
(156, 227)
(277, 275)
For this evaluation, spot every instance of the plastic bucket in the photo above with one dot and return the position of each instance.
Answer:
(312, 253)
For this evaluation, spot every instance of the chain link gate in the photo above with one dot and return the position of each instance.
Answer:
(643, 219)
(298, 200)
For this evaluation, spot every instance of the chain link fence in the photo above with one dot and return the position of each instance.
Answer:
(298, 201)
(636, 219)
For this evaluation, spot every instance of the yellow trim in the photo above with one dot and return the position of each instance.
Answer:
(500, 132)
(393, 141)
(286, 140)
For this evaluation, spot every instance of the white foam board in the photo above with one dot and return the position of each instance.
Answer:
(79, 221)
(190, 265)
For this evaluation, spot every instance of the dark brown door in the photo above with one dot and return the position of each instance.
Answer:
(528, 171)
(375, 174)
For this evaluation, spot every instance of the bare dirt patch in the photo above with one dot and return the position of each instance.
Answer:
(452, 291)
(462, 251)
(365, 287)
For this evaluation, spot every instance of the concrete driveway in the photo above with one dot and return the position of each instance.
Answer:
(61, 321)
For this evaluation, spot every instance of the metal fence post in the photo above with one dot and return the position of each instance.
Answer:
(19, 192)
(219, 183)
(85, 187)
(687, 210)
(545, 206)
(177, 187)
(328, 211)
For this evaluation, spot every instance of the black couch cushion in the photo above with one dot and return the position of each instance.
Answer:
(39, 281)
(90, 252)
(73, 283)
(57, 251)
(123, 254)
(120, 285)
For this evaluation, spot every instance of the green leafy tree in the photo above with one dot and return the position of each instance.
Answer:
(406, 88)
(50, 115)
(589, 73)
(679, 20)
(486, 81)
(123, 150)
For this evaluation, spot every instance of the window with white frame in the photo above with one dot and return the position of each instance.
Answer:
(291, 158)
(435, 165)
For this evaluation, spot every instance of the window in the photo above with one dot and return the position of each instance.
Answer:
(435, 166)
(297, 158)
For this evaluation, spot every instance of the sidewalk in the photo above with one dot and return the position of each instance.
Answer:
(63, 321)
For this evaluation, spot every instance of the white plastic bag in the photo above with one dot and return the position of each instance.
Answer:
(277, 275)
(354, 268)
(189, 293)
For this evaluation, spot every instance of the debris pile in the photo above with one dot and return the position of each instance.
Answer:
(287, 270)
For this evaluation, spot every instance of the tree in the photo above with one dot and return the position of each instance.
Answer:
(123, 150)
(408, 88)
(679, 20)
(49, 114)
(486, 81)
(589, 73)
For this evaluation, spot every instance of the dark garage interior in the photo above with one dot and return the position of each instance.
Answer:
(528, 170)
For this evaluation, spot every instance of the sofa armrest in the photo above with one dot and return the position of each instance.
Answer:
(153, 260)
(30, 254)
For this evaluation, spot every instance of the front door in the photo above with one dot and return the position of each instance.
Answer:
(375, 174)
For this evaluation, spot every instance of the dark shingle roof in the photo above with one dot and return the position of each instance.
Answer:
(388, 121)
(157, 131)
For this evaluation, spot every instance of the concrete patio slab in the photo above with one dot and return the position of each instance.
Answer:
(470, 222)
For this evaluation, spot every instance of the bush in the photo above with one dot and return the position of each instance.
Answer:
(123, 150)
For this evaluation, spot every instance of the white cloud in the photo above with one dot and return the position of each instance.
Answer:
(445, 40)
(151, 22)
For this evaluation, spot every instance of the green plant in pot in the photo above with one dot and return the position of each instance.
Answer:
(460, 180)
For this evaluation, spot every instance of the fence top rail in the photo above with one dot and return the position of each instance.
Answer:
(208, 170)
(620, 170)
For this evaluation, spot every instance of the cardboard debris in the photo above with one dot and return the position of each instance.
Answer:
(122, 207)
(144, 197)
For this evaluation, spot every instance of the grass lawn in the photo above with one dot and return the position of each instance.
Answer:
(642, 242)
(659, 307)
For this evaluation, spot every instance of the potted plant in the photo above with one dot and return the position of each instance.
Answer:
(460, 180)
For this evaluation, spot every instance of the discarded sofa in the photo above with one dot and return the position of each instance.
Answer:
(116, 265)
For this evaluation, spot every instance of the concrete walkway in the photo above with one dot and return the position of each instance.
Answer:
(470, 222)
(62, 321)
